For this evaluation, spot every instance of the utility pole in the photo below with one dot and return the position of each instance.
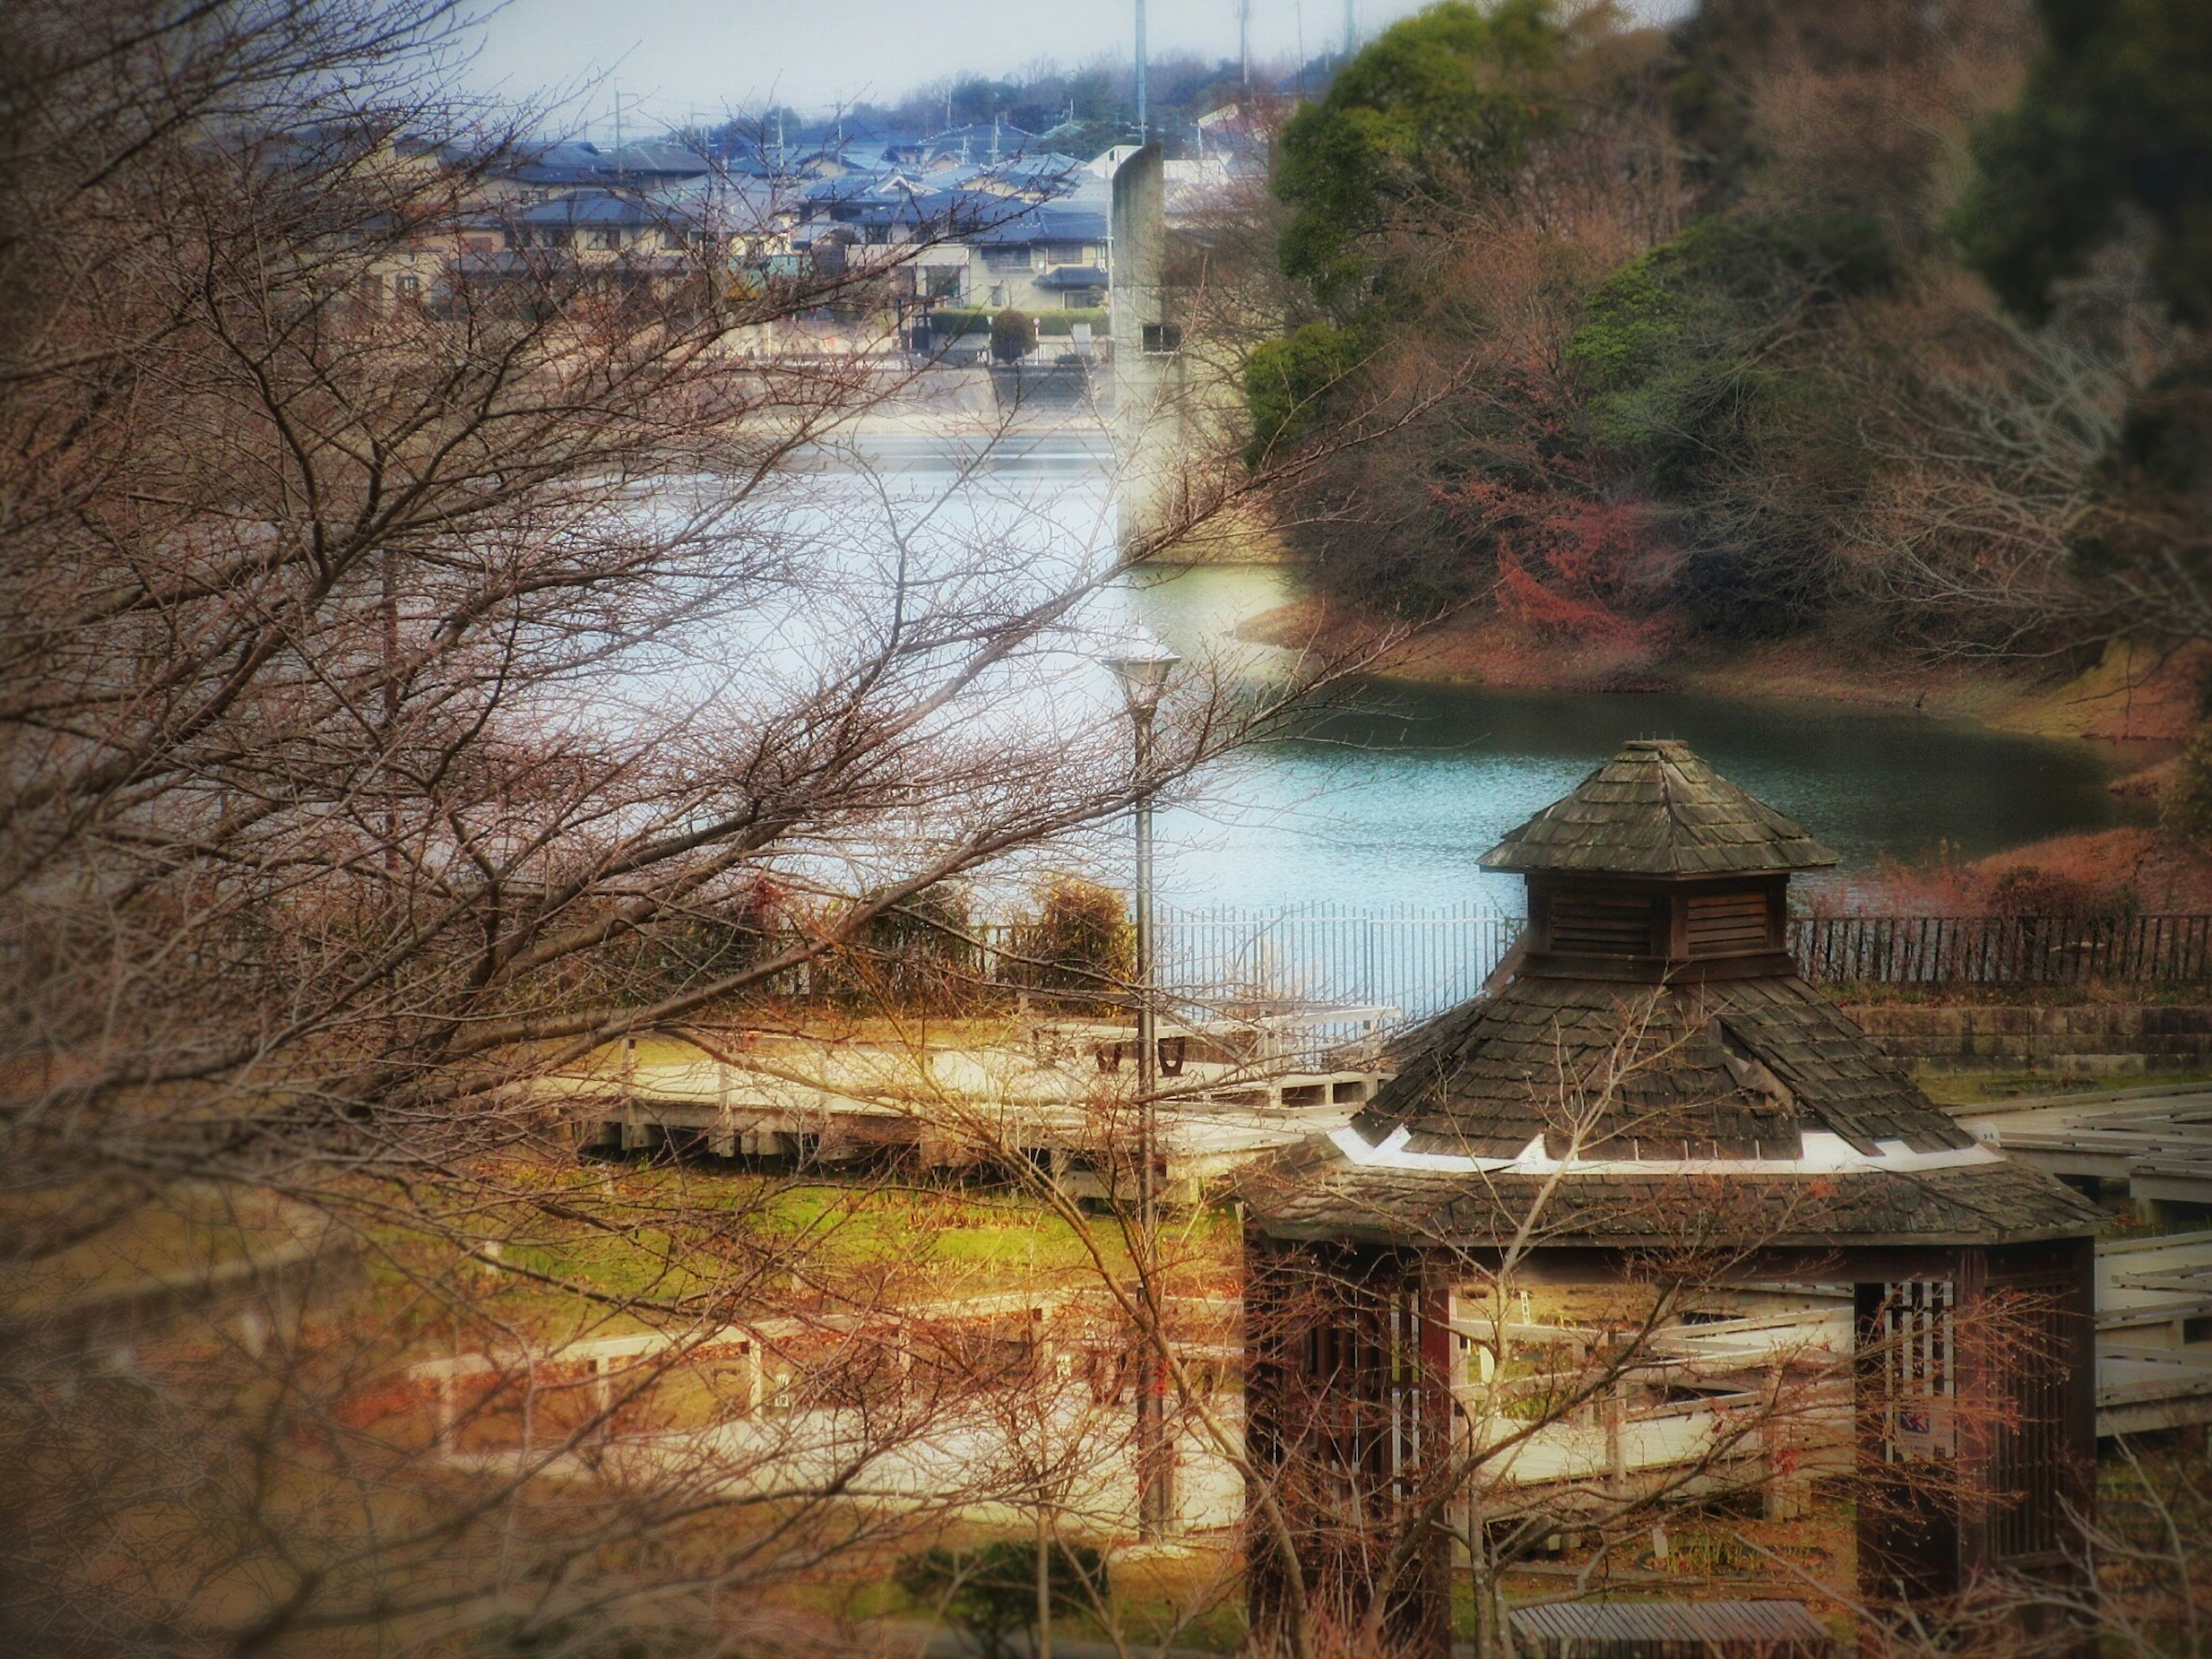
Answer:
(1244, 41)
(1144, 113)
(1350, 28)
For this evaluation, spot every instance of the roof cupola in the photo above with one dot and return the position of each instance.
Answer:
(1657, 868)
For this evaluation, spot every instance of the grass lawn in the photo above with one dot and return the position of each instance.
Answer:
(612, 1249)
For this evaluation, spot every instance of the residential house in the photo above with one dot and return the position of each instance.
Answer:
(1051, 257)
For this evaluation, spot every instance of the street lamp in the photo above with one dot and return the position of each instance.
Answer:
(1143, 671)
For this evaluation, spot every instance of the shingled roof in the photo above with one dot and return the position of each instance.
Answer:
(1655, 809)
(1312, 1191)
(1746, 1109)
(1726, 1068)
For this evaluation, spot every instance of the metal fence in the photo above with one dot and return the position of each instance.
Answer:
(1423, 962)
(1225, 962)
(1419, 962)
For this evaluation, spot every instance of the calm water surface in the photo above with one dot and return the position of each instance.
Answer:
(1392, 802)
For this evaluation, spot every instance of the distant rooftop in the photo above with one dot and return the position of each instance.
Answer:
(1655, 809)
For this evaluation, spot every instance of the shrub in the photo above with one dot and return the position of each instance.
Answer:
(990, 1591)
(1064, 322)
(2031, 891)
(955, 321)
(920, 955)
(1285, 380)
(1079, 943)
(1013, 336)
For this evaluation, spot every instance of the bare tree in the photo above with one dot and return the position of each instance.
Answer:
(1990, 437)
(431, 657)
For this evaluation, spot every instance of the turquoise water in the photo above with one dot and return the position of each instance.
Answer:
(1392, 802)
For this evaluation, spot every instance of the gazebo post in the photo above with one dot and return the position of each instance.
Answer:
(2020, 1354)
(1347, 1408)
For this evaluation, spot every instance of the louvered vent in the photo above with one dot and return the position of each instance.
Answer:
(1583, 925)
(1727, 924)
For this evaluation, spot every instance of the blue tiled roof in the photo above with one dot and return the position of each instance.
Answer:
(1054, 222)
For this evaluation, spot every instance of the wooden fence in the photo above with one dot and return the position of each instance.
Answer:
(2143, 951)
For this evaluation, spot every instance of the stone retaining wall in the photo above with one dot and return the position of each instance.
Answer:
(2090, 1039)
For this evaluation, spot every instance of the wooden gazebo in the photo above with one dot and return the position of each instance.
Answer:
(1657, 1088)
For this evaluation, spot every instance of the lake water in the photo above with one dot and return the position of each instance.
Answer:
(1392, 804)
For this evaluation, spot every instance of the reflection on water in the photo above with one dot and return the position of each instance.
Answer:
(1391, 802)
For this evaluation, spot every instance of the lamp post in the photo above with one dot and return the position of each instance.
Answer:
(1143, 671)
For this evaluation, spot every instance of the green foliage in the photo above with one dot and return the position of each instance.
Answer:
(2187, 809)
(2115, 124)
(1013, 336)
(1668, 343)
(920, 954)
(945, 320)
(1686, 366)
(2111, 139)
(990, 1591)
(690, 953)
(1285, 380)
(1050, 323)
(1079, 943)
(1452, 96)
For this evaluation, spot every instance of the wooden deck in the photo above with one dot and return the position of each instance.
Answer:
(1056, 1093)
(2153, 1293)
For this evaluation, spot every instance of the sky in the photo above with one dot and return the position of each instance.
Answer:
(673, 61)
